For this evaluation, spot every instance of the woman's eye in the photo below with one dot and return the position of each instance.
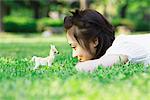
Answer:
(74, 48)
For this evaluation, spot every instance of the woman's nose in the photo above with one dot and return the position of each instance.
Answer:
(74, 54)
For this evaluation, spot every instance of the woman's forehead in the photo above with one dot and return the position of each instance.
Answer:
(70, 33)
(71, 39)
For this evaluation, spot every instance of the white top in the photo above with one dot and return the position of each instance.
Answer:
(136, 47)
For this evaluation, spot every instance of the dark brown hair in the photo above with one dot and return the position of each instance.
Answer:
(91, 24)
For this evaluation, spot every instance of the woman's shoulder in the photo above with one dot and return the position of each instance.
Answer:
(120, 39)
(127, 43)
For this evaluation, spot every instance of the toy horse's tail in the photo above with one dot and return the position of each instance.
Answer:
(33, 58)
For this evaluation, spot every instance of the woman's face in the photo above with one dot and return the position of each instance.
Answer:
(77, 51)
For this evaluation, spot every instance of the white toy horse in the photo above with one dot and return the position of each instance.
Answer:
(47, 60)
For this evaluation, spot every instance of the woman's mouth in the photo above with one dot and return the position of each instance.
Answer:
(80, 60)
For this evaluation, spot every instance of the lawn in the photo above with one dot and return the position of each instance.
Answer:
(18, 81)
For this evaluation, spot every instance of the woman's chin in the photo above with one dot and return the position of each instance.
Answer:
(81, 60)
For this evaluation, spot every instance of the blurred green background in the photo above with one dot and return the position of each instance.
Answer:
(24, 22)
(35, 16)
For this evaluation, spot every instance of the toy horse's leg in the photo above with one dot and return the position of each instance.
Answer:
(49, 64)
(36, 66)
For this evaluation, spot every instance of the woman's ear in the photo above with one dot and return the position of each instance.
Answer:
(95, 42)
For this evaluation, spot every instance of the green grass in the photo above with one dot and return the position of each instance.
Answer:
(62, 81)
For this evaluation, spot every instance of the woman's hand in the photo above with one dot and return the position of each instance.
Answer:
(87, 66)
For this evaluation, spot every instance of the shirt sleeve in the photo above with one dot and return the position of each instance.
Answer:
(135, 52)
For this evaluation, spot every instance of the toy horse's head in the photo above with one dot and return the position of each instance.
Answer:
(53, 50)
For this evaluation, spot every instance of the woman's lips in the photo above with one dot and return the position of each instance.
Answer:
(80, 59)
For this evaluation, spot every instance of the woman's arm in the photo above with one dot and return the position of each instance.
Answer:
(106, 60)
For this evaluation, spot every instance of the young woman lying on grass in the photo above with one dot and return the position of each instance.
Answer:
(93, 41)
